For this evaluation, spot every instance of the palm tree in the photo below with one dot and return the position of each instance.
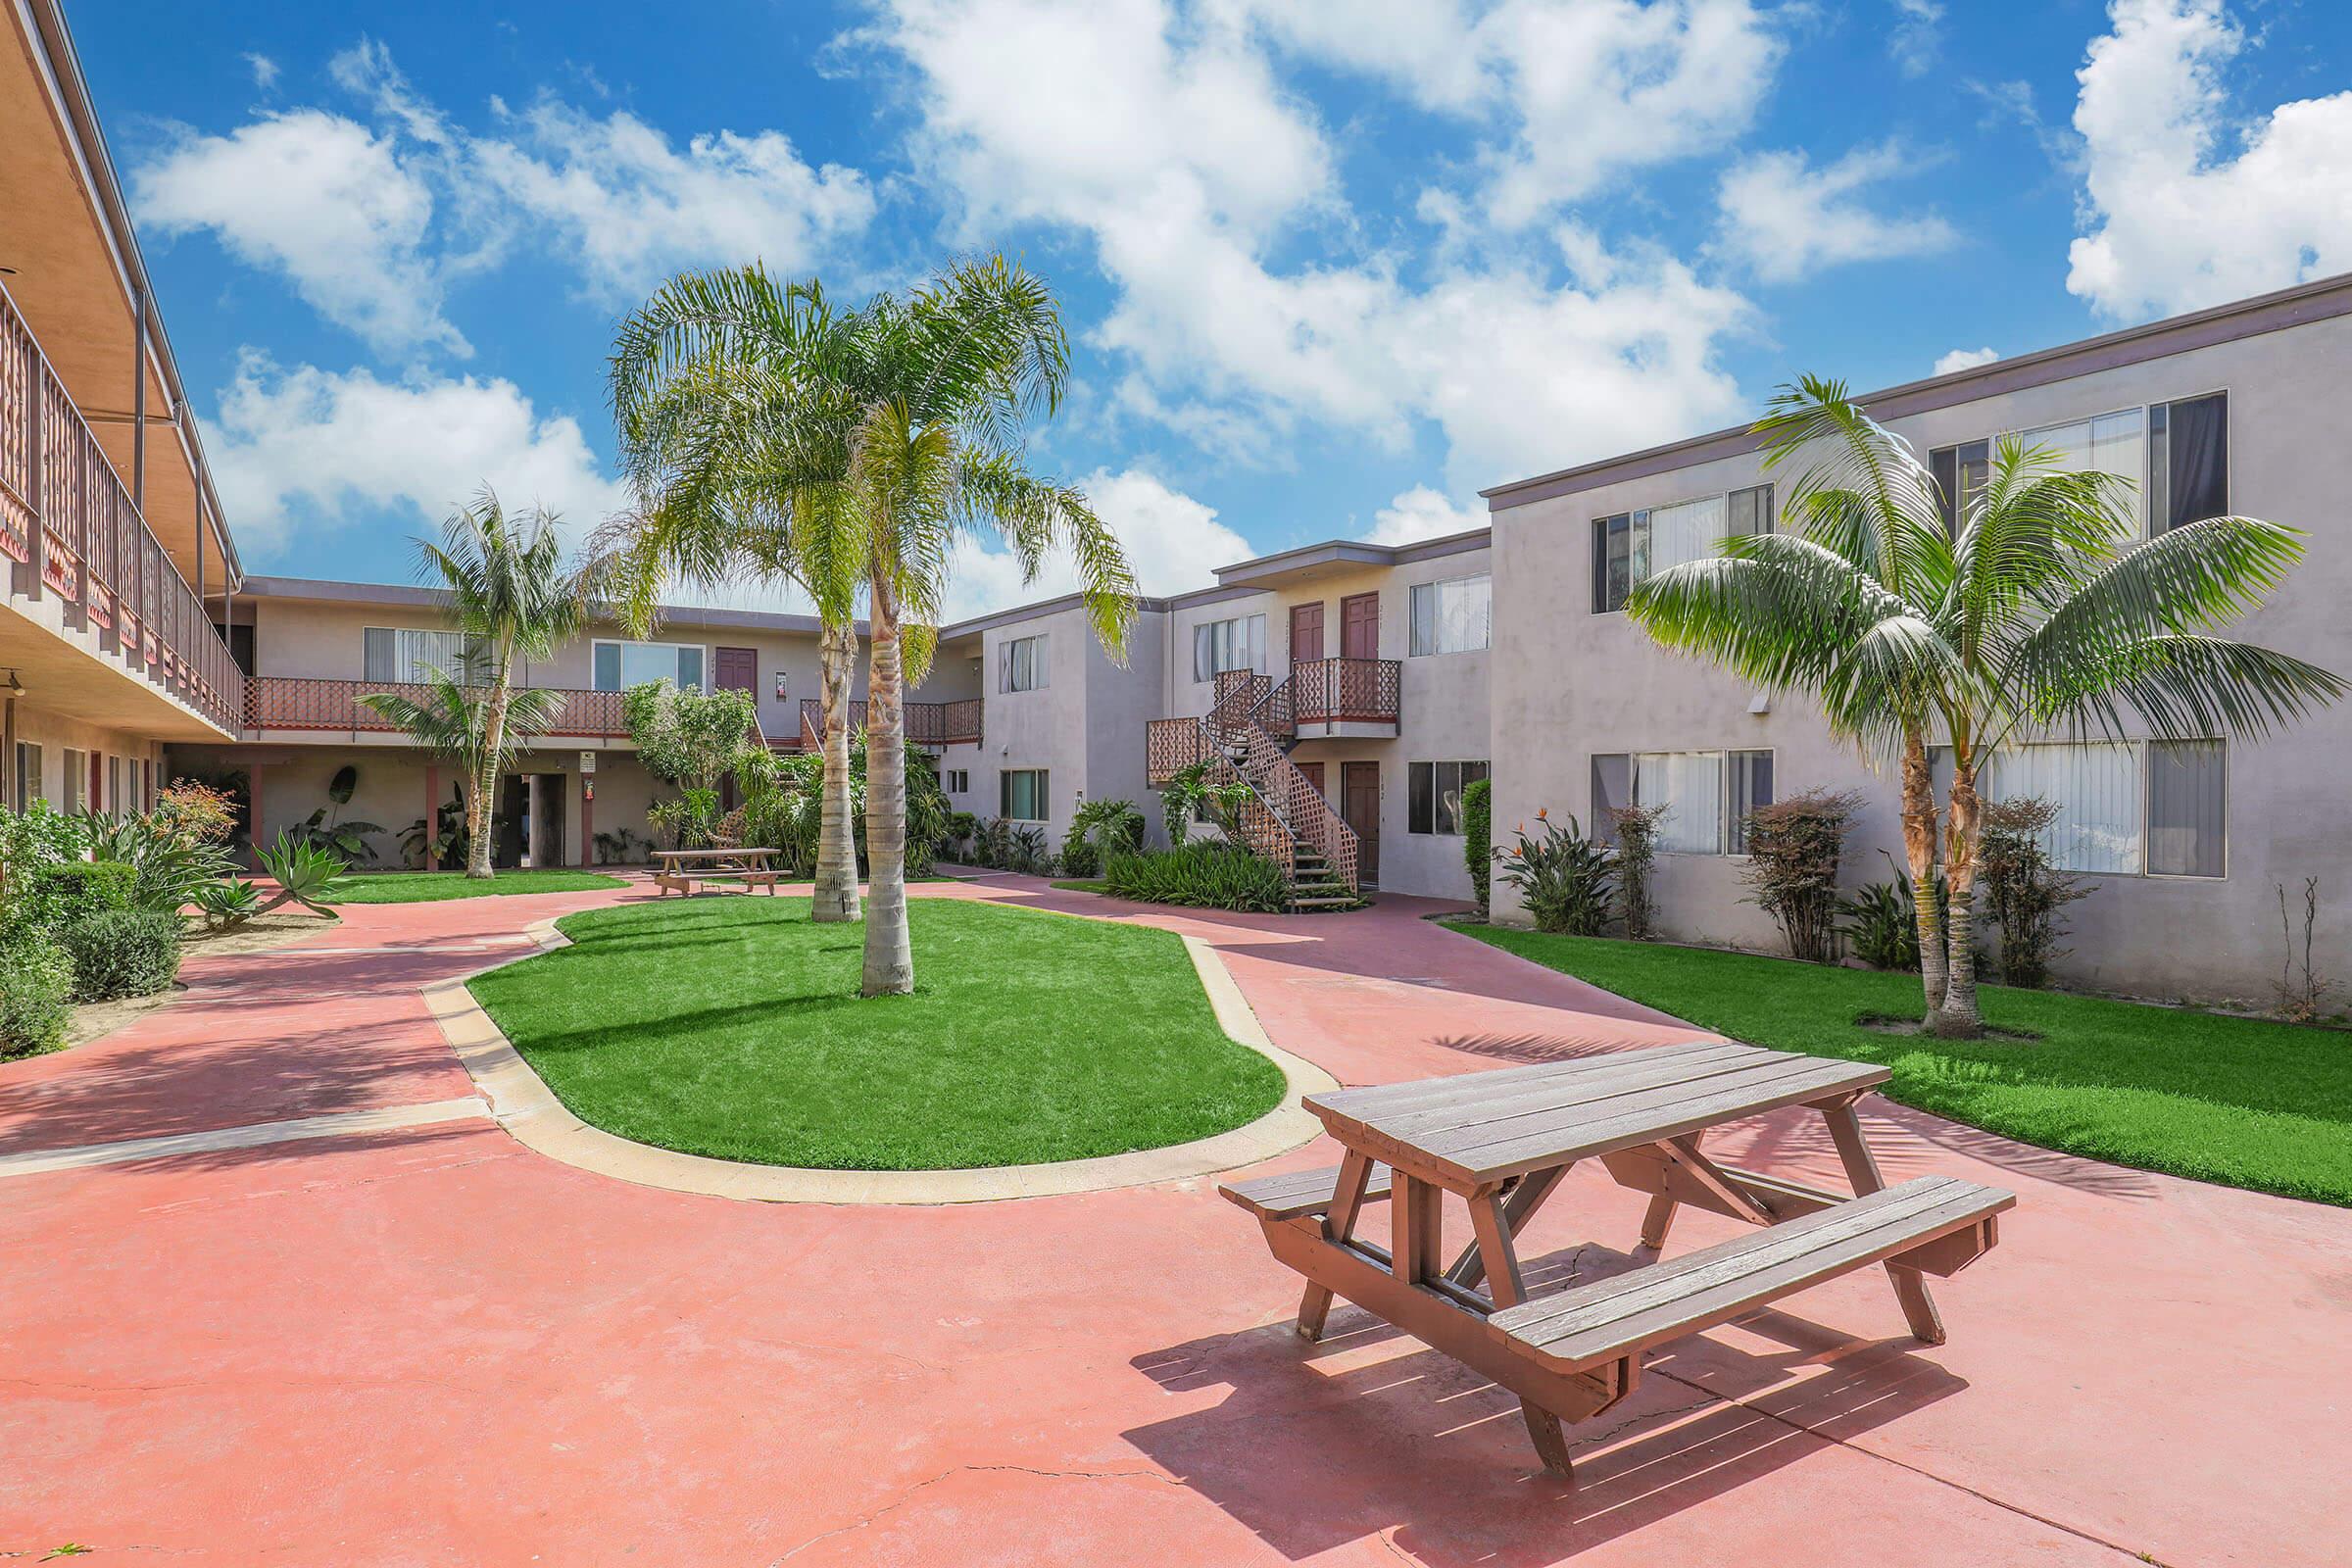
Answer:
(454, 722)
(887, 432)
(2042, 613)
(508, 592)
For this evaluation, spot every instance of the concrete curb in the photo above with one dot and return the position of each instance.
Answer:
(526, 1107)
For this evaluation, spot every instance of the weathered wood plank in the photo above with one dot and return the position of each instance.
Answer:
(1371, 1101)
(1301, 1191)
(1476, 1098)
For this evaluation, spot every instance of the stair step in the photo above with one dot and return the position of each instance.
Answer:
(1347, 901)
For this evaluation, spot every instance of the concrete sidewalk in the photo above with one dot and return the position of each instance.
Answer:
(423, 1344)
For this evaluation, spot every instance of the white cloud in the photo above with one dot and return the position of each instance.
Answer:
(308, 446)
(1965, 359)
(324, 201)
(265, 71)
(1174, 542)
(1916, 40)
(1423, 514)
(2180, 224)
(1789, 220)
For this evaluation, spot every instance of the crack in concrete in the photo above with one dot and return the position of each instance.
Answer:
(909, 1495)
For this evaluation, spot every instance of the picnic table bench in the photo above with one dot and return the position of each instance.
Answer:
(1502, 1140)
(681, 869)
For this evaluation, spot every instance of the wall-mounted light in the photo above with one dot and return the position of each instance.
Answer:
(14, 687)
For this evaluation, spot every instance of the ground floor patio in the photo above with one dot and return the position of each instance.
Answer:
(417, 1342)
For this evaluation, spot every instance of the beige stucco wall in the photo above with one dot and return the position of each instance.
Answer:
(1569, 683)
(54, 732)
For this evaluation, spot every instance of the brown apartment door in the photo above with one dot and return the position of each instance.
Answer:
(1307, 632)
(1359, 627)
(1359, 806)
(735, 669)
(1314, 776)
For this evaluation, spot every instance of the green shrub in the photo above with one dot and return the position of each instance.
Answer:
(1795, 848)
(1205, 874)
(1478, 835)
(227, 906)
(2023, 891)
(1080, 857)
(123, 952)
(1563, 878)
(30, 840)
(1882, 924)
(170, 867)
(1636, 857)
(1099, 828)
(70, 892)
(36, 988)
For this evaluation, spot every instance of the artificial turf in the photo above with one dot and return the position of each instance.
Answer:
(426, 887)
(2240, 1101)
(733, 1027)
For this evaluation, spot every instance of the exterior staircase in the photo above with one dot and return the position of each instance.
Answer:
(1246, 739)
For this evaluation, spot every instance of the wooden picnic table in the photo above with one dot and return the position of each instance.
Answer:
(1502, 1140)
(681, 869)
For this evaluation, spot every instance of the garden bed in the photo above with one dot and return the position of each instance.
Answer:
(426, 887)
(2245, 1101)
(733, 1028)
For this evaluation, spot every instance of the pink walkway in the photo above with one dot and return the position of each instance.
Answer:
(430, 1346)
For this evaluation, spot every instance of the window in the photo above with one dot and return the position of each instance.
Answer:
(2188, 462)
(1960, 472)
(621, 666)
(1022, 794)
(2187, 792)
(1433, 795)
(1453, 616)
(1021, 664)
(1222, 645)
(114, 787)
(1707, 796)
(2106, 443)
(2096, 788)
(396, 654)
(1632, 546)
(76, 795)
(28, 775)
(957, 781)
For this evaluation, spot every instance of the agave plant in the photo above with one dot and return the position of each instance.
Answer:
(170, 867)
(227, 906)
(304, 874)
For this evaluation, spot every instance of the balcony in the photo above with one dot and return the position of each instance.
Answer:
(1342, 697)
(69, 533)
(277, 703)
(928, 724)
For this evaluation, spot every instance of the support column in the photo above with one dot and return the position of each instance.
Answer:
(252, 810)
(531, 820)
(587, 820)
(432, 816)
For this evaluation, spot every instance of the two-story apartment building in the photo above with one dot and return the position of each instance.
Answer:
(2235, 408)
(114, 559)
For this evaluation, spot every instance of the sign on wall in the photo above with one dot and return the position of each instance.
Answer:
(587, 761)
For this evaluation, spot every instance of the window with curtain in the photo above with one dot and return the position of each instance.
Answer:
(2187, 807)
(1612, 792)
(1022, 664)
(1453, 616)
(2106, 443)
(28, 775)
(2096, 788)
(399, 655)
(1750, 511)
(2188, 461)
(1631, 545)
(1688, 530)
(1959, 471)
(1222, 645)
(1750, 778)
(1021, 794)
(621, 666)
(76, 795)
(1691, 786)
(1433, 795)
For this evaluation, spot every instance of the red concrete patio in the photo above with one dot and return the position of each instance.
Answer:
(428, 1345)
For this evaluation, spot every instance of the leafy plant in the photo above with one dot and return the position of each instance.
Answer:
(1478, 836)
(168, 865)
(325, 828)
(1637, 857)
(447, 837)
(1881, 925)
(36, 990)
(36, 837)
(1190, 794)
(74, 890)
(1794, 848)
(1563, 878)
(198, 813)
(304, 874)
(122, 953)
(227, 906)
(1203, 874)
(1098, 829)
(2023, 892)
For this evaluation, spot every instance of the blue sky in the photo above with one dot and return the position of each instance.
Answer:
(1330, 268)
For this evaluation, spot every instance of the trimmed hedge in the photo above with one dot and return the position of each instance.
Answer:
(36, 990)
(123, 952)
(70, 892)
(1478, 835)
(1205, 874)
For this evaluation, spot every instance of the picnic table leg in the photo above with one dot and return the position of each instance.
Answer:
(1338, 1224)
(1519, 1205)
(1655, 1221)
(1845, 1131)
(1492, 1228)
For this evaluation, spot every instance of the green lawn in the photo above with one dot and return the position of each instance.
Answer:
(426, 887)
(733, 1027)
(1094, 884)
(2256, 1104)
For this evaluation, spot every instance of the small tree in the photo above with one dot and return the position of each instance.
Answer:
(689, 739)
(2023, 892)
(1637, 857)
(1793, 852)
(1478, 837)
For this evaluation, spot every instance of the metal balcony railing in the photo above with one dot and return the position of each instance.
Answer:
(301, 703)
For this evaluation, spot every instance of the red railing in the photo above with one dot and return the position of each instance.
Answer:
(1285, 813)
(1344, 691)
(299, 701)
(932, 725)
(67, 527)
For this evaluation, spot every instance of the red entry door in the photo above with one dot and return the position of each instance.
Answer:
(1359, 807)
(735, 669)
(1307, 632)
(1359, 627)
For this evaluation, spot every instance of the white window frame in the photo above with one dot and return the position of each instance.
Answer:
(626, 644)
(1412, 621)
(1259, 652)
(955, 781)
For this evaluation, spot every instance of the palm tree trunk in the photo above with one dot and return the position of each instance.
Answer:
(1919, 850)
(889, 950)
(837, 837)
(1959, 1020)
(485, 782)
